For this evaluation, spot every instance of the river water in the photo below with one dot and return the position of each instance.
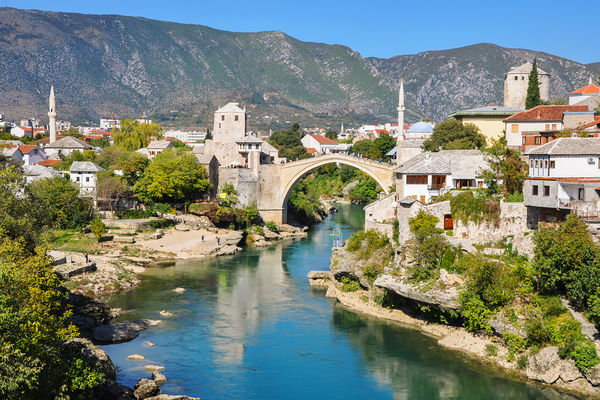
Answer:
(250, 327)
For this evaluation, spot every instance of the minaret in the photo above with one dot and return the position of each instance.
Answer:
(400, 120)
(342, 129)
(52, 116)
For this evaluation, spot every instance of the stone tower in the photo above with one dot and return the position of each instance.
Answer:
(515, 85)
(230, 123)
(401, 109)
(52, 116)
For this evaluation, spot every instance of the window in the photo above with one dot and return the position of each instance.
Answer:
(553, 164)
(523, 78)
(514, 128)
(545, 164)
(516, 78)
(534, 190)
(222, 118)
(416, 179)
(87, 178)
(236, 118)
(479, 184)
(537, 140)
(546, 190)
(580, 194)
(547, 127)
(531, 162)
(219, 125)
(524, 140)
(553, 127)
(77, 179)
(536, 163)
(438, 182)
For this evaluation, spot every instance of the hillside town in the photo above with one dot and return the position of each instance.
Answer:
(481, 230)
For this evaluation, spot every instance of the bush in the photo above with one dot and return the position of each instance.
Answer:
(491, 350)
(522, 362)
(134, 214)
(259, 230)
(515, 344)
(427, 247)
(349, 285)
(98, 228)
(584, 355)
(272, 226)
(474, 313)
(516, 197)
(372, 271)
(161, 223)
(466, 207)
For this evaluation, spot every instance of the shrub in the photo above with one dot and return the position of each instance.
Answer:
(467, 207)
(584, 355)
(515, 197)
(372, 271)
(515, 344)
(349, 285)
(272, 226)
(259, 230)
(491, 350)
(161, 223)
(98, 228)
(427, 247)
(366, 243)
(474, 313)
(522, 361)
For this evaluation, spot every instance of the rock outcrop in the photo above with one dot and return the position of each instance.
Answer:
(118, 332)
(546, 366)
(145, 388)
(447, 297)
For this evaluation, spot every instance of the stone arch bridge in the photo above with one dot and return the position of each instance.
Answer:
(276, 181)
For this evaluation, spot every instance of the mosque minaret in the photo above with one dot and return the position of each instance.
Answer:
(52, 116)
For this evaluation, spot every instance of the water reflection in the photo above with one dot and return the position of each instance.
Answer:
(416, 368)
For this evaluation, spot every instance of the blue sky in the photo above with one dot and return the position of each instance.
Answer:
(381, 28)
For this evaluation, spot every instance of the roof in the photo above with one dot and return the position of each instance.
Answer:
(47, 140)
(27, 148)
(569, 146)
(487, 110)
(546, 113)
(587, 89)
(205, 158)
(85, 166)
(409, 200)
(311, 150)
(322, 139)
(9, 151)
(68, 142)
(160, 145)
(595, 122)
(230, 107)
(48, 163)
(525, 69)
(39, 171)
(421, 127)
(461, 164)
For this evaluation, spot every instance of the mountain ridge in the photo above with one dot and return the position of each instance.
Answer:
(179, 73)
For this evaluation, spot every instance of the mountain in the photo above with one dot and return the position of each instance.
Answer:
(178, 73)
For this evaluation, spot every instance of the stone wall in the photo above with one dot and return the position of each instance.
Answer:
(244, 182)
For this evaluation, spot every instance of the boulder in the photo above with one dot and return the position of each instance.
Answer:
(145, 388)
(165, 313)
(501, 325)
(179, 290)
(158, 378)
(447, 297)
(154, 367)
(593, 375)
(271, 235)
(118, 332)
(320, 275)
(136, 357)
(93, 353)
(546, 366)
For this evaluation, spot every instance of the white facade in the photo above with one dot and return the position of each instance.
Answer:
(564, 166)
(187, 136)
(83, 173)
(32, 154)
(229, 123)
(323, 145)
(108, 123)
(514, 130)
(17, 131)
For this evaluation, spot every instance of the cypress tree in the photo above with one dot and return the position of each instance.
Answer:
(533, 98)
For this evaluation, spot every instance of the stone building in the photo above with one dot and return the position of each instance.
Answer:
(230, 123)
(516, 82)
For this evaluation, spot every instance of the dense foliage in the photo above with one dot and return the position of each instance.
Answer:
(507, 170)
(474, 207)
(374, 149)
(288, 143)
(172, 176)
(452, 134)
(134, 135)
(427, 247)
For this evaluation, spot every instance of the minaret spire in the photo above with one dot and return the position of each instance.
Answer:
(401, 109)
(52, 116)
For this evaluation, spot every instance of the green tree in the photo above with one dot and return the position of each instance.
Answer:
(59, 199)
(111, 188)
(86, 155)
(134, 135)
(452, 134)
(34, 329)
(533, 98)
(365, 192)
(98, 228)
(172, 176)
(507, 170)
(288, 143)
(427, 246)
(331, 135)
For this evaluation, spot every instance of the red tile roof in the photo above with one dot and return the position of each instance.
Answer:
(545, 113)
(587, 89)
(323, 140)
(311, 150)
(593, 123)
(381, 131)
(48, 163)
(27, 148)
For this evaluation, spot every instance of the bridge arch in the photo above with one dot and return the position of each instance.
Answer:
(380, 172)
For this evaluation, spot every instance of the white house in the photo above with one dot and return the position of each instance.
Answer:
(582, 94)
(564, 177)
(434, 173)
(187, 136)
(322, 144)
(22, 131)
(156, 147)
(84, 174)
(544, 119)
(32, 154)
(13, 153)
(65, 146)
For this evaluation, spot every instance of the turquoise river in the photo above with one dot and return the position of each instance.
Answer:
(250, 327)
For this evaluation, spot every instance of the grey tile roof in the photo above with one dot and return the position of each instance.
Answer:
(160, 145)
(230, 107)
(85, 166)
(39, 171)
(569, 146)
(69, 142)
(461, 164)
(204, 158)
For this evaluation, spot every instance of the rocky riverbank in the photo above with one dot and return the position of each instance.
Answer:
(366, 296)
